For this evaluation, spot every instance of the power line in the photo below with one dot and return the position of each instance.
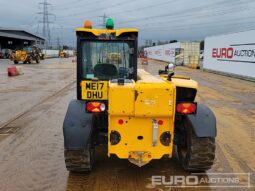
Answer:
(98, 9)
(69, 3)
(214, 9)
(191, 16)
(183, 15)
(201, 26)
(46, 21)
(229, 27)
(77, 5)
(134, 10)
(143, 8)
(195, 9)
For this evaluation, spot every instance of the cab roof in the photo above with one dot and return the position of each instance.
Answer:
(98, 32)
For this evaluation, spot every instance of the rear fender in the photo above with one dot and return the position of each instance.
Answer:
(77, 127)
(203, 122)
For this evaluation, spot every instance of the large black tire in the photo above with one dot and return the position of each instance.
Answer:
(80, 160)
(196, 154)
(16, 62)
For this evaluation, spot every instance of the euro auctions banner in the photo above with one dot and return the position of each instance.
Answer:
(164, 52)
(231, 53)
(236, 53)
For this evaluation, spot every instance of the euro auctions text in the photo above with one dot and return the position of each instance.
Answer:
(203, 180)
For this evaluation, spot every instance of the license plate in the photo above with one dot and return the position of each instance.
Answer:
(94, 90)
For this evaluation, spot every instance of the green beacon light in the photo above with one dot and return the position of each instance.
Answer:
(109, 24)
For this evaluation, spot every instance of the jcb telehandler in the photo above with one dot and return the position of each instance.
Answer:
(27, 55)
(139, 116)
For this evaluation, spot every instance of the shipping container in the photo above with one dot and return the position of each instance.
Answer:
(180, 53)
(50, 53)
(232, 54)
(55, 53)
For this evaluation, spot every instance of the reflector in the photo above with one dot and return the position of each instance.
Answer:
(120, 121)
(160, 122)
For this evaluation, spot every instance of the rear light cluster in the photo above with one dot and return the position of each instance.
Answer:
(186, 108)
(95, 107)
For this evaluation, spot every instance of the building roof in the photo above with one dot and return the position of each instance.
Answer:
(19, 34)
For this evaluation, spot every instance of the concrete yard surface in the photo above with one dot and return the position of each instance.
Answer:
(33, 108)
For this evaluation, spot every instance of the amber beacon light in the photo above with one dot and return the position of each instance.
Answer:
(88, 24)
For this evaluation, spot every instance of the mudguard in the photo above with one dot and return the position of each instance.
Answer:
(203, 122)
(77, 127)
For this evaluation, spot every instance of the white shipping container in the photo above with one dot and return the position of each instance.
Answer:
(55, 53)
(51, 53)
(232, 54)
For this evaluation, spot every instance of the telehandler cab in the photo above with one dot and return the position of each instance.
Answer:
(139, 116)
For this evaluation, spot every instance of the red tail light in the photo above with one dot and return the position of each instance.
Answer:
(95, 107)
(186, 108)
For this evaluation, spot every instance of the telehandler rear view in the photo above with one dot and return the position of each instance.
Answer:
(139, 116)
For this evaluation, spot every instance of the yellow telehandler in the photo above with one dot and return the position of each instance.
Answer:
(26, 55)
(140, 117)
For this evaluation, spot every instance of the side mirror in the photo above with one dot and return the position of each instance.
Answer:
(169, 77)
(160, 72)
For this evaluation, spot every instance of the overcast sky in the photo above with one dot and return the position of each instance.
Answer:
(155, 19)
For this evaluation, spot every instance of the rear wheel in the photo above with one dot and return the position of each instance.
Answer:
(196, 153)
(80, 160)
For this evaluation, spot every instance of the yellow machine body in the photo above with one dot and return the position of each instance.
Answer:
(134, 109)
(61, 54)
(20, 55)
(98, 32)
(141, 113)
